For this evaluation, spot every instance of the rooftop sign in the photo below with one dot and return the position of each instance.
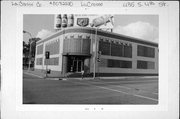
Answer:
(103, 22)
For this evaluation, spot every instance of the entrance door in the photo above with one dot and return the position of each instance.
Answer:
(76, 64)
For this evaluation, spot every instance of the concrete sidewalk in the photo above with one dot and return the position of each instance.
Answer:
(41, 74)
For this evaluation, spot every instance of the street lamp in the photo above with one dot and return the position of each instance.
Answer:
(27, 33)
(29, 47)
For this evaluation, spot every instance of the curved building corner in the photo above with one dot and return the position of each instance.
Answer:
(95, 52)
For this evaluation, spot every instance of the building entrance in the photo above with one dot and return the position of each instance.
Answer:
(75, 64)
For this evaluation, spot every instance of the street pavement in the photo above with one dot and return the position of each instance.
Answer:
(135, 90)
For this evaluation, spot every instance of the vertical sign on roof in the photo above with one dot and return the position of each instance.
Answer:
(57, 21)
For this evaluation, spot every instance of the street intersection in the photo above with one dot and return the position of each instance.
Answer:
(134, 90)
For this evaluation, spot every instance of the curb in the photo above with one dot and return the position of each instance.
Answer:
(88, 78)
(129, 77)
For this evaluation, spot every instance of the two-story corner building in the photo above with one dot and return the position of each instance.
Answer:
(96, 52)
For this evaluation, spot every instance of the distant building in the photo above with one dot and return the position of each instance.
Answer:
(73, 50)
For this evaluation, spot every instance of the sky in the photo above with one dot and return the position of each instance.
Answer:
(140, 26)
(35, 24)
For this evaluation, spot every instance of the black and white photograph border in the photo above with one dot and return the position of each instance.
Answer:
(154, 99)
(34, 93)
(111, 89)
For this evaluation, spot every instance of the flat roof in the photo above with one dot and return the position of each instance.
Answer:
(99, 32)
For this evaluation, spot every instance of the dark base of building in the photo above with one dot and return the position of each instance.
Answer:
(110, 74)
(57, 74)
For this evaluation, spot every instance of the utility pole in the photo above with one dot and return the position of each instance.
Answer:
(98, 60)
(95, 55)
(47, 56)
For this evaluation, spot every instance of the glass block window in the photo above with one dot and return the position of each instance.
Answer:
(128, 51)
(53, 47)
(40, 49)
(103, 63)
(115, 49)
(145, 64)
(52, 61)
(104, 47)
(119, 64)
(39, 61)
(145, 51)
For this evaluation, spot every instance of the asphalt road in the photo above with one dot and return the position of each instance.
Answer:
(99, 91)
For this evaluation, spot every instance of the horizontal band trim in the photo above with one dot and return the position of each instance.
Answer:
(99, 32)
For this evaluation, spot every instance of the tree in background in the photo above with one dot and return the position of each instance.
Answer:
(25, 55)
(29, 52)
